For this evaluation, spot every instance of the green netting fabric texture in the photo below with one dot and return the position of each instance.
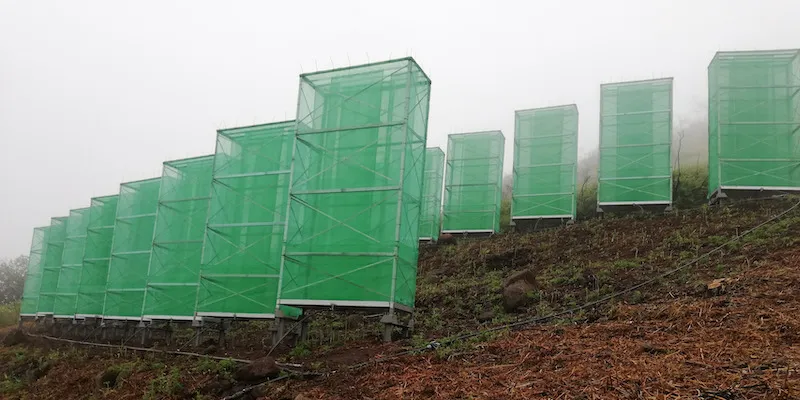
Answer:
(246, 219)
(51, 267)
(754, 120)
(33, 274)
(635, 140)
(130, 249)
(96, 256)
(71, 264)
(473, 186)
(431, 209)
(353, 222)
(545, 163)
(174, 271)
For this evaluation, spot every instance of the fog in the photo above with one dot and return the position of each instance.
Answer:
(94, 93)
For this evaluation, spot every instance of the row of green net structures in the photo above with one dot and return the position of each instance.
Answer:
(96, 256)
(473, 186)
(635, 139)
(51, 267)
(431, 209)
(352, 233)
(33, 274)
(130, 249)
(174, 268)
(246, 221)
(754, 121)
(545, 163)
(69, 276)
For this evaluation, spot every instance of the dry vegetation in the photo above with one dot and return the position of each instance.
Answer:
(671, 339)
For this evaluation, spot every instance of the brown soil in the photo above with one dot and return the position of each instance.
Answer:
(668, 340)
(741, 345)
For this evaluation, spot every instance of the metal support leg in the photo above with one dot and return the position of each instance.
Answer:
(144, 334)
(168, 334)
(303, 331)
(228, 338)
(717, 197)
(198, 331)
(409, 328)
(278, 331)
(389, 321)
(388, 329)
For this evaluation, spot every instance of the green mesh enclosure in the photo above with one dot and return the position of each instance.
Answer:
(753, 121)
(33, 275)
(473, 187)
(246, 218)
(96, 256)
(635, 140)
(431, 208)
(130, 249)
(353, 222)
(51, 267)
(174, 271)
(71, 264)
(545, 163)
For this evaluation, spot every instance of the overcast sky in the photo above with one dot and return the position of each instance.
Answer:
(93, 93)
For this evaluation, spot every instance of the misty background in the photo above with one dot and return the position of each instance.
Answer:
(94, 93)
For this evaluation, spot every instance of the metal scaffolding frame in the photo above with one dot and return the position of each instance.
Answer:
(635, 167)
(69, 276)
(244, 229)
(174, 267)
(33, 275)
(545, 163)
(430, 219)
(130, 250)
(96, 256)
(754, 120)
(351, 238)
(51, 267)
(473, 188)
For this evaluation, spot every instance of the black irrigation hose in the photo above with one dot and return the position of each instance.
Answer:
(529, 321)
(143, 349)
(249, 389)
(236, 395)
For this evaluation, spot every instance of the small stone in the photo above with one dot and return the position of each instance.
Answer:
(446, 239)
(652, 349)
(486, 316)
(14, 337)
(516, 289)
(261, 369)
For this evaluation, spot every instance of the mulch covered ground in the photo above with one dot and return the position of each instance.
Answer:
(741, 343)
(737, 342)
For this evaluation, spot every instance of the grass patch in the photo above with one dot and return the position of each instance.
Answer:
(9, 314)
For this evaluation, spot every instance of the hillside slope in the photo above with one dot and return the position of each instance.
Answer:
(672, 338)
(739, 345)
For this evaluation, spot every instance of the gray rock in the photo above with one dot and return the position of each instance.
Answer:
(516, 289)
(486, 316)
(261, 369)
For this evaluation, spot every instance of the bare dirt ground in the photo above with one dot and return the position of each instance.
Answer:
(742, 344)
